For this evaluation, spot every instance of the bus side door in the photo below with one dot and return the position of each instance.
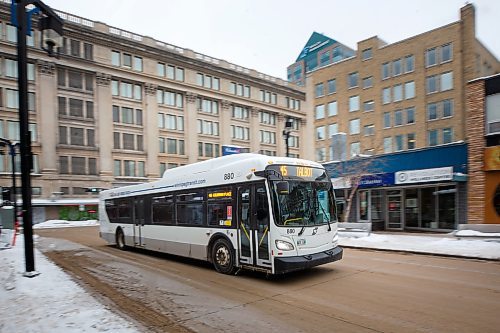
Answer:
(253, 225)
(138, 222)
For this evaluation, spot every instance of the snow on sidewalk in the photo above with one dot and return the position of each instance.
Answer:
(440, 245)
(49, 302)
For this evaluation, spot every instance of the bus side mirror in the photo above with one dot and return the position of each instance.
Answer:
(283, 188)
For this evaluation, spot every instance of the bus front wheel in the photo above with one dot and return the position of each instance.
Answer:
(223, 256)
(120, 239)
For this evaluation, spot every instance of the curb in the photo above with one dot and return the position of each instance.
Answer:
(457, 256)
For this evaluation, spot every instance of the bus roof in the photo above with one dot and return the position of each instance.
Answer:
(209, 173)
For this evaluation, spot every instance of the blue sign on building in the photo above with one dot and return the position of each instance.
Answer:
(230, 150)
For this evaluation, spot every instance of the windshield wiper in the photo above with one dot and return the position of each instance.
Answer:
(323, 210)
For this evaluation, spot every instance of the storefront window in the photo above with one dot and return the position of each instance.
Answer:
(428, 207)
(411, 207)
(363, 205)
(446, 195)
(377, 205)
(341, 203)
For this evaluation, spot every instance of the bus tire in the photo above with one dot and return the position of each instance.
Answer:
(120, 239)
(223, 256)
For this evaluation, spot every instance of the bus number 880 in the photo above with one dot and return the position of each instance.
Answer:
(229, 176)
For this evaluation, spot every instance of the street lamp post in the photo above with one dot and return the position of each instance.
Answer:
(286, 135)
(51, 25)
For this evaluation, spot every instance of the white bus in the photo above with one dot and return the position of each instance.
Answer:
(250, 211)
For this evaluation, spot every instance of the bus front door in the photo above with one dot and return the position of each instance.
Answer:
(253, 226)
(138, 222)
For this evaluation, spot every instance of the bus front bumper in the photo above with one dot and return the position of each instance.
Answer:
(289, 264)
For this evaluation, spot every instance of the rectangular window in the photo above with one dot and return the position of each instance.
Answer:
(398, 117)
(63, 135)
(115, 58)
(446, 53)
(399, 142)
(386, 70)
(410, 141)
(410, 115)
(75, 48)
(368, 106)
(433, 137)
(75, 107)
(332, 109)
(160, 69)
(355, 148)
(369, 130)
(410, 90)
(366, 54)
(319, 90)
(88, 51)
(431, 84)
(127, 60)
(387, 119)
(353, 103)
(446, 81)
(63, 165)
(397, 67)
(398, 92)
(320, 154)
(354, 126)
(409, 63)
(61, 102)
(431, 57)
(447, 108)
(353, 80)
(332, 86)
(447, 135)
(388, 145)
(76, 136)
(386, 95)
(75, 80)
(320, 111)
(137, 64)
(333, 129)
(320, 133)
(432, 109)
(368, 82)
(324, 58)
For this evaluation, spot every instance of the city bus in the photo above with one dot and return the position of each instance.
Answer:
(242, 211)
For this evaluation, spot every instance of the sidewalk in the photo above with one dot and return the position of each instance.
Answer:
(467, 245)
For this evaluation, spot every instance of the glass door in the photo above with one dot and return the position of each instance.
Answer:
(138, 222)
(253, 225)
(394, 209)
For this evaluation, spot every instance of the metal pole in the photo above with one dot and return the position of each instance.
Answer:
(25, 147)
(14, 203)
(287, 145)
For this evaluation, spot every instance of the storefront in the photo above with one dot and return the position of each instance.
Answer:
(422, 189)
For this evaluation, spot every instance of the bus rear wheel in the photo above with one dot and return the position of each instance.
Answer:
(223, 257)
(120, 239)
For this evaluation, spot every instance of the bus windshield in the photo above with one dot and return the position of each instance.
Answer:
(306, 203)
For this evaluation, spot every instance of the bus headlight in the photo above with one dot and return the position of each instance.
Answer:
(283, 245)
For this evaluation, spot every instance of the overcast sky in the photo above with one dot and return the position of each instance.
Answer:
(268, 35)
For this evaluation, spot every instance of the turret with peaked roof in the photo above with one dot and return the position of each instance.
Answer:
(320, 50)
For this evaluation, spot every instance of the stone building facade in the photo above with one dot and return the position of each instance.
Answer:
(117, 108)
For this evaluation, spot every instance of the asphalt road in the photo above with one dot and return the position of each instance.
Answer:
(367, 291)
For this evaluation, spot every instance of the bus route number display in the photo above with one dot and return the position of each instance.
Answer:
(296, 171)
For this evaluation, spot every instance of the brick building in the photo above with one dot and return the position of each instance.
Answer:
(483, 132)
(388, 99)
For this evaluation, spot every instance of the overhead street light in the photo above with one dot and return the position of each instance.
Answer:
(51, 26)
